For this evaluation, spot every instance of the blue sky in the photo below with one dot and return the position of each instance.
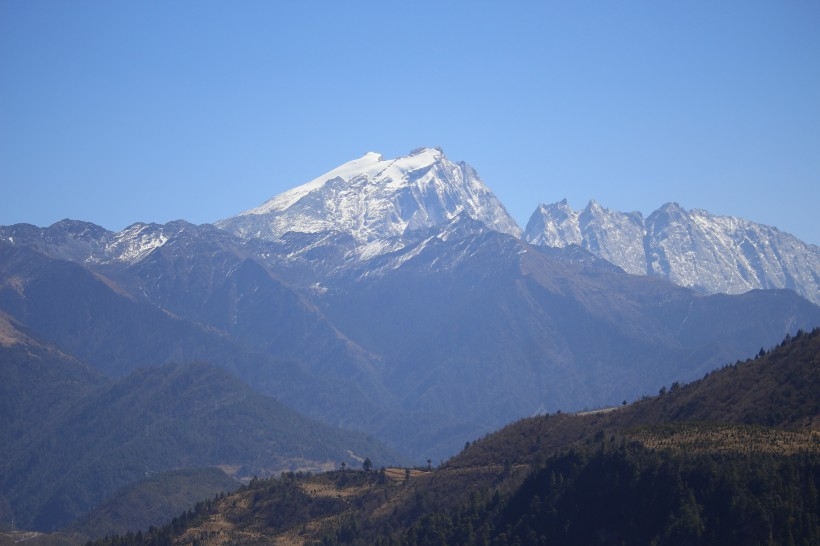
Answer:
(118, 112)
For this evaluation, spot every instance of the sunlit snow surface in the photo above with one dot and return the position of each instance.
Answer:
(720, 254)
(135, 242)
(85, 242)
(374, 199)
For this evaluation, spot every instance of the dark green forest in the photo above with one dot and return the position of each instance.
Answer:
(633, 495)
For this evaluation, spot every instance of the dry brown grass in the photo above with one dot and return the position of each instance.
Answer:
(400, 474)
(218, 530)
(698, 438)
(308, 533)
(9, 334)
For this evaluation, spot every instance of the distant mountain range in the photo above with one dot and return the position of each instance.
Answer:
(374, 206)
(396, 298)
(716, 254)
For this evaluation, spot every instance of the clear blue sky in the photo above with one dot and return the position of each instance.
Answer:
(118, 112)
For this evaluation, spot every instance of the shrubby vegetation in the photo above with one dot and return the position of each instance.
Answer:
(624, 494)
(634, 495)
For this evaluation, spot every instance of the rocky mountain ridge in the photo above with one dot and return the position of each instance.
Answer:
(375, 199)
(373, 207)
(692, 248)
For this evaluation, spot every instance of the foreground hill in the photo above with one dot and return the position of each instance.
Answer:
(706, 463)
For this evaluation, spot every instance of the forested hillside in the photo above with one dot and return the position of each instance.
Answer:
(731, 459)
(59, 460)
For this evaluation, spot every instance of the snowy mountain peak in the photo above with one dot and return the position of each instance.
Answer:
(373, 198)
(554, 225)
(691, 248)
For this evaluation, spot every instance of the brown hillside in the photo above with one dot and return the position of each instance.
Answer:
(778, 389)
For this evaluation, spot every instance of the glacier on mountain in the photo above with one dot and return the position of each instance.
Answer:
(717, 254)
(375, 199)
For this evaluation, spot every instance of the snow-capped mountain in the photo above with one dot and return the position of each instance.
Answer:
(85, 242)
(375, 199)
(719, 254)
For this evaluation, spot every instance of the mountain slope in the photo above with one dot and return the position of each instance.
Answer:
(88, 316)
(484, 325)
(780, 388)
(718, 254)
(154, 500)
(206, 276)
(36, 381)
(374, 199)
(154, 420)
(204, 303)
(638, 474)
(460, 330)
(55, 467)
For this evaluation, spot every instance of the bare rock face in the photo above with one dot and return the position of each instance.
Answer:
(716, 254)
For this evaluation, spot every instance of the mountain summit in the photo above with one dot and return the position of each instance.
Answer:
(718, 254)
(372, 198)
